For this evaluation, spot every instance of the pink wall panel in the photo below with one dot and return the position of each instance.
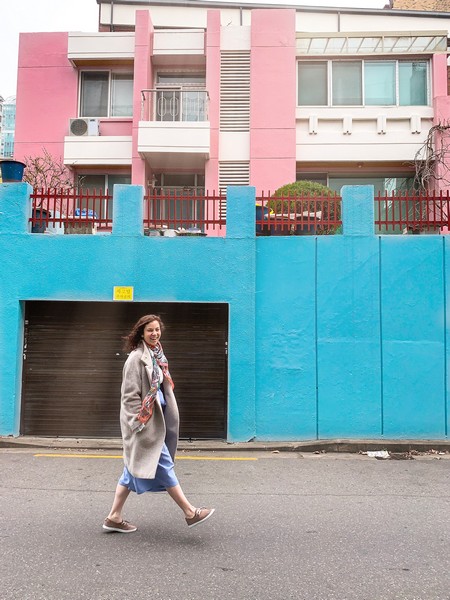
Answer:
(213, 88)
(439, 75)
(441, 107)
(116, 127)
(283, 143)
(268, 174)
(143, 80)
(46, 94)
(273, 99)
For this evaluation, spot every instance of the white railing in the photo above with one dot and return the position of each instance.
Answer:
(174, 105)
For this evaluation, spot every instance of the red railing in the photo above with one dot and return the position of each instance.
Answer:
(198, 213)
(191, 211)
(70, 211)
(409, 212)
(298, 215)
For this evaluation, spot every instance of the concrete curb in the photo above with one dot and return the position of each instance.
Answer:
(336, 445)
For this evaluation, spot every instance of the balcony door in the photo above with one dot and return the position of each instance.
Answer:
(180, 97)
(181, 198)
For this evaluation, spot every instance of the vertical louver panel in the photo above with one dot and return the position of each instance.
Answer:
(233, 173)
(235, 91)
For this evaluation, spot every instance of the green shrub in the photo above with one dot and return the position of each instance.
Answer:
(302, 188)
(306, 196)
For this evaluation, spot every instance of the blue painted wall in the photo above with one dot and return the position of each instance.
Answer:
(330, 336)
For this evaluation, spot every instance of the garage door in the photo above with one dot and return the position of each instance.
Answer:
(73, 359)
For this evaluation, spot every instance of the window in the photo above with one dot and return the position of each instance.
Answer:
(412, 83)
(181, 97)
(312, 84)
(347, 83)
(106, 94)
(99, 184)
(321, 178)
(379, 82)
(177, 190)
(382, 185)
(363, 83)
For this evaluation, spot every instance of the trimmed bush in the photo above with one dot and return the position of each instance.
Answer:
(307, 197)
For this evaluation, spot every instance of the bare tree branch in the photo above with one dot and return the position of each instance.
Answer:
(432, 160)
(47, 172)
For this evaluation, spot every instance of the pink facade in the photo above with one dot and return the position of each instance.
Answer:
(143, 79)
(273, 99)
(212, 44)
(47, 95)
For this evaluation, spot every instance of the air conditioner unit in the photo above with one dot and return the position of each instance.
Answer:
(84, 127)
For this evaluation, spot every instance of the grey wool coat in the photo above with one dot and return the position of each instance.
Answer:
(142, 449)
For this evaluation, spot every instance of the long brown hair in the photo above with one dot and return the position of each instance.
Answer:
(133, 339)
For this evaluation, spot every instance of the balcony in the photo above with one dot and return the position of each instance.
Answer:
(97, 150)
(174, 130)
(89, 48)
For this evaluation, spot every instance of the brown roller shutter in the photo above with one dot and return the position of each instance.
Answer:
(73, 361)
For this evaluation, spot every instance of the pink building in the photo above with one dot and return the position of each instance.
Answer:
(206, 95)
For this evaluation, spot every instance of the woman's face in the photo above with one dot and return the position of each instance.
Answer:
(152, 333)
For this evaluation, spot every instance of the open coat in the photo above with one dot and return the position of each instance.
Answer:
(142, 449)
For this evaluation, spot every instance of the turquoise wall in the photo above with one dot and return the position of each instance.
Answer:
(329, 336)
(351, 333)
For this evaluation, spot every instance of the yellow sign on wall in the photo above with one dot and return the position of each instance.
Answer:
(123, 293)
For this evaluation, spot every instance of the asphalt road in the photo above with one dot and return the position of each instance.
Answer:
(311, 527)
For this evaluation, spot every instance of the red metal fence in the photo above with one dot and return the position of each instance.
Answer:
(198, 212)
(409, 212)
(190, 211)
(298, 215)
(70, 210)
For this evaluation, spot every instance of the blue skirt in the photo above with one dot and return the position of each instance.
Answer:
(165, 474)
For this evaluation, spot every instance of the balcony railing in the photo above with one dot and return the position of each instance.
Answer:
(173, 105)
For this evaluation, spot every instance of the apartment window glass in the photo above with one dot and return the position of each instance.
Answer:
(347, 83)
(379, 82)
(94, 94)
(121, 95)
(364, 83)
(412, 76)
(100, 184)
(312, 84)
(105, 94)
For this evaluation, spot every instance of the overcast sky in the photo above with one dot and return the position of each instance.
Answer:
(82, 15)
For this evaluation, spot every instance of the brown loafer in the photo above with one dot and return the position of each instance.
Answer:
(123, 527)
(201, 515)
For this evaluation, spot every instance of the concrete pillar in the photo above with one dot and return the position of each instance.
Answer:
(128, 210)
(358, 210)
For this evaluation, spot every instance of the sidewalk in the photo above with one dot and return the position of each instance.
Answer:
(335, 445)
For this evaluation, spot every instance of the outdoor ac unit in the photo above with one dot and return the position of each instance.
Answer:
(84, 127)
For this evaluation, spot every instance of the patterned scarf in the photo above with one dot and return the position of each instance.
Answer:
(158, 360)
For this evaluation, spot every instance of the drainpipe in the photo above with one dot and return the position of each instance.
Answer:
(111, 25)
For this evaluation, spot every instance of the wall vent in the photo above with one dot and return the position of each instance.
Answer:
(235, 91)
(232, 173)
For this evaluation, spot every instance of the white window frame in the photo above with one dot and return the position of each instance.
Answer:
(110, 72)
(330, 61)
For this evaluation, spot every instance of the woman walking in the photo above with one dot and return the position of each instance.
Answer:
(149, 423)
